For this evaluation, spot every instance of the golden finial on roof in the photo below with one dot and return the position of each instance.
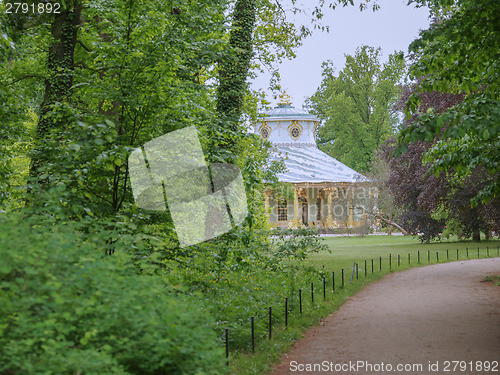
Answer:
(285, 99)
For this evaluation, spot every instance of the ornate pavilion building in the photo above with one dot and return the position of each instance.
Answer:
(327, 193)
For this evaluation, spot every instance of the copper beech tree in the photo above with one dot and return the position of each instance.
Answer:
(435, 204)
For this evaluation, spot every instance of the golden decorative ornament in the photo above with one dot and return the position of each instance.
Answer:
(285, 99)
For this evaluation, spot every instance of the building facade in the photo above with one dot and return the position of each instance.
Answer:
(327, 193)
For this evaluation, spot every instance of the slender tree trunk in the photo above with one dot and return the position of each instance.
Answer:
(390, 222)
(232, 81)
(57, 85)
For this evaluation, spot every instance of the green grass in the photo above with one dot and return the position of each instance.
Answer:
(344, 252)
(493, 279)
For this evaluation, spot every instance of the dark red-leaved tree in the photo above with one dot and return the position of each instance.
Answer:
(407, 182)
(430, 202)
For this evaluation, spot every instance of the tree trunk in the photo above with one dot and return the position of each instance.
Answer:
(232, 81)
(57, 85)
(487, 234)
(390, 222)
(476, 235)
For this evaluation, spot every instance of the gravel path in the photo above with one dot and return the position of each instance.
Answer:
(418, 319)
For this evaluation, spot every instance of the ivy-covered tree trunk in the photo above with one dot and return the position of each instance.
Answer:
(57, 85)
(232, 81)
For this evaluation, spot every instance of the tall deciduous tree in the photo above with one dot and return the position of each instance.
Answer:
(113, 75)
(430, 202)
(233, 74)
(460, 53)
(140, 77)
(58, 82)
(356, 105)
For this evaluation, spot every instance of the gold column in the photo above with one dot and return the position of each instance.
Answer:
(296, 206)
(329, 197)
(296, 217)
(320, 208)
(329, 223)
(351, 209)
(295, 222)
(349, 218)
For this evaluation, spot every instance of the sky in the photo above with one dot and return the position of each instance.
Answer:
(393, 27)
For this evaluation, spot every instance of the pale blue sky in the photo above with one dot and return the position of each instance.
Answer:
(393, 27)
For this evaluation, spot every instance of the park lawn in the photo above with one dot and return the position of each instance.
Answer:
(349, 249)
(345, 251)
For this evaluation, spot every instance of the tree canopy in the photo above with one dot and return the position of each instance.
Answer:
(356, 105)
(460, 54)
(447, 156)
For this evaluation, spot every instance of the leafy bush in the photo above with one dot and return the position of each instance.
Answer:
(236, 282)
(67, 309)
(299, 243)
(234, 296)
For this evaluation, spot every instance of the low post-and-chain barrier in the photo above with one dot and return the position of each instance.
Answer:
(300, 301)
(270, 322)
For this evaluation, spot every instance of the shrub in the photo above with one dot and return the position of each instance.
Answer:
(299, 243)
(67, 309)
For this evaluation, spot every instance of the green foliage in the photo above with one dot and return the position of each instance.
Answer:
(233, 294)
(493, 279)
(460, 54)
(65, 309)
(225, 134)
(298, 244)
(357, 106)
(234, 69)
(257, 170)
(141, 81)
(58, 84)
(12, 157)
(16, 124)
(137, 74)
(237, 279)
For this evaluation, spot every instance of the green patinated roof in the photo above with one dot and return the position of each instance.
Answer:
(286, 110)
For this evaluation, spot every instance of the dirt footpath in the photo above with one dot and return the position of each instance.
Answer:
(413, 322)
